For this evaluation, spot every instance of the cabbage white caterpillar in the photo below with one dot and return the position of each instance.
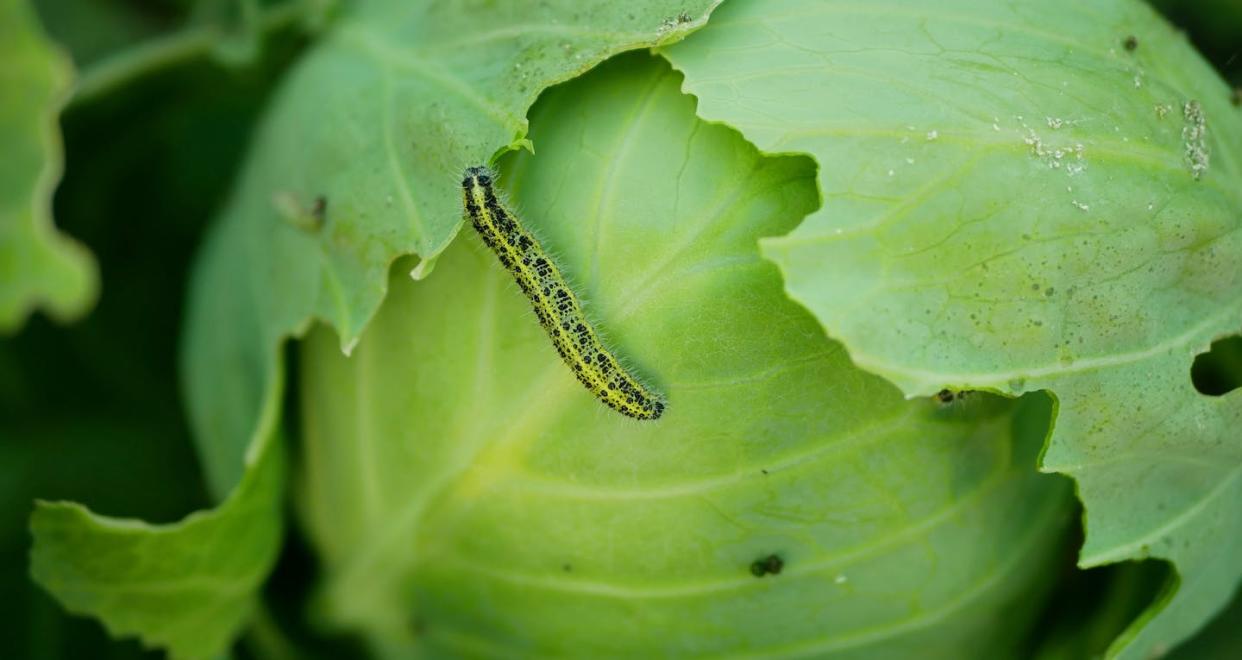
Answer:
(555, 303)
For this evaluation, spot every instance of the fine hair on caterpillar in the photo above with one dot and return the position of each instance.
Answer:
(556, 303)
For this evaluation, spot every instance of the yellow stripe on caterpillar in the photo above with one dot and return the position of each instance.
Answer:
(555, 303)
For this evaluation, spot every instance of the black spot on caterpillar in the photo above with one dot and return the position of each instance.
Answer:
(555, 303)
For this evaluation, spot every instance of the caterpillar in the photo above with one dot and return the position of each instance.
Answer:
(555, 303)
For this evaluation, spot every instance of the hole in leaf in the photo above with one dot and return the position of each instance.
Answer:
(1090, 608)
(1219, 371)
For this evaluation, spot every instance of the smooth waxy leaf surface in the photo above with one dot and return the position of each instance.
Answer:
(377, 120)
(1015, 200)
(470, 498)
(39, 268)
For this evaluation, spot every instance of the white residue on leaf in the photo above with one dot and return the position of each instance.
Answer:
(932, 135)
(1081, 207)
(841, 579)
(1194, 138)
(1033, 141)
(1163, 110)
(1055, 156)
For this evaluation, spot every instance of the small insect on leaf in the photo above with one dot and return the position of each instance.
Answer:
(554, 301)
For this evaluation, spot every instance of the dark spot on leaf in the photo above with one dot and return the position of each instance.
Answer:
(319, 209)
(1130, 43)
(770, 565)
(947, 396)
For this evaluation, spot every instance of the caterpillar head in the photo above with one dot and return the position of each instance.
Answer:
(478, 176)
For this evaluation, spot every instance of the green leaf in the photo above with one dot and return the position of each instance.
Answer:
(1012, 200)
(109, 368)
(469, 498)
(378, 118)
(187, 587)
(117, 462)
(38, 266)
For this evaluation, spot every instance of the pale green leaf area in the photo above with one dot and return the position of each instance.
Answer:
(186, 587)
(39, 267)
(1015, 201)
(468, 498)
(378, 119)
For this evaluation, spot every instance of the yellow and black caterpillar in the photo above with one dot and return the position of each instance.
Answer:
(559, 311)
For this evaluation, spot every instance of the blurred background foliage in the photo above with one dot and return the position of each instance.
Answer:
(167, 95)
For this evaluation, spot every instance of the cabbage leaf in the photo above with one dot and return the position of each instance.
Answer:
(469, 498)
(39, 267)
(377, 119)
(1019, 197)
